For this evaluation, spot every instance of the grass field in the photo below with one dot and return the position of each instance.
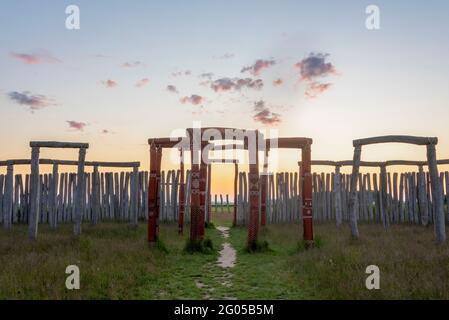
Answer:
(116, 263)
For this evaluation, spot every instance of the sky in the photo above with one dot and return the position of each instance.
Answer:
(142, 69)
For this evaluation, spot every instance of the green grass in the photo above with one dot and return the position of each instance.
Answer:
(116, 262)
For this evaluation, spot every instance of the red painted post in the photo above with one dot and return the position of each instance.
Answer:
(153, 192)
(307, 194)
(236, 174)
(253, 225)
(263, 190)
(202, 191)
(181, 194)
(209, 193)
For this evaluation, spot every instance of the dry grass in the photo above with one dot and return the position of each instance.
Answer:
(412, 266)
(116, 263)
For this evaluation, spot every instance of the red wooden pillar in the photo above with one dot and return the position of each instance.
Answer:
(253, 225)
(236, 175)
(154, 192)
(263, 190)
(209, 193)
(181, 194)
(307, 194)
(202, 191)
(194, 196)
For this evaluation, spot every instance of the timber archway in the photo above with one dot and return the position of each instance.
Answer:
(430, 143)
(199, 141)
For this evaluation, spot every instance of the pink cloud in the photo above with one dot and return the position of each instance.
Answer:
(131, 64)
(193, 99)
(278, 82)
(35, 58)
(32, 101)
(258, 66)
(267, 117)
(142, 82)
(109, 83)
(315, 66)
(316, 88)
(78, 126)
(227, 84)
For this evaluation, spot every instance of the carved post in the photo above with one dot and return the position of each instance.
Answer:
(79, 202)
(154, 193)
(202, 190)
(33, 219)
(439, 223)
(306, 176)
(353, 196)
(337, 196)
(208, 188)
(263, 190)
(181, 194)
(253, 223)
(236, 176)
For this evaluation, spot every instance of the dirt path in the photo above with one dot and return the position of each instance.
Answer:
(225, 261)
(227, 256)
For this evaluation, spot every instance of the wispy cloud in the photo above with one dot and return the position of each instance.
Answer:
(32, 101)
(193, 99)
(227, 84)
(75, 125)
(278, 82)
(131, 64)
(172, 89)
(226, 56)
(258, 66)
(142, 82)
(264, 115)
(109, 83)
(40, 57)
(316, 88)
(181, 73)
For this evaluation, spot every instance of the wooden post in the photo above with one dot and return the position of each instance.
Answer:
(181, 193)
(353, 197)
(263, 189)
(383, 191)
(8, 197)
(439, 224)
(253, 179)
(54, 197)
(337, 196)
(236, 176)
(209, 198)
(134, 216)
(33, 219)
(202, 193)
(79, 192)
(95, 196)
(307, 195)
(153, 193)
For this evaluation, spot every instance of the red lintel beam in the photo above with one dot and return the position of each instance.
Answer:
(289, 143)
(167, 142)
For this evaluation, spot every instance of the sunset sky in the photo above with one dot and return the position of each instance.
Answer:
(141, 69)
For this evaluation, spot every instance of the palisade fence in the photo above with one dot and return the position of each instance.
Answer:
(407, 198)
